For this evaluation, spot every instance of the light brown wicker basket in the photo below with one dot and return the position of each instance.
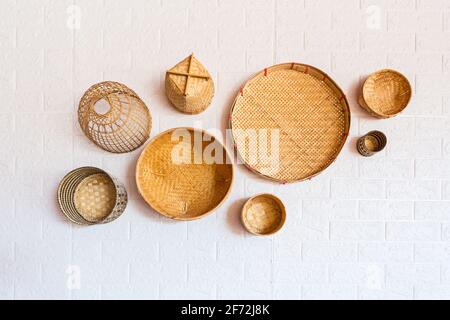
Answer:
(264, 215)
(307, 110)
(372, 143)
(175, 178)
(385, 94)
(89, 196)
(189, 86)
(124, 126)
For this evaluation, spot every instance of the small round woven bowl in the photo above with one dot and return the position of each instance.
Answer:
(126, 123)
(385, 94)
(372, 143)
(180, 190)
(264, 215)
(90, 196)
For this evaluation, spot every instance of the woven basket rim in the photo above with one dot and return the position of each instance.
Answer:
(290, 65)
(160, 135)
(269, 196)
(99, 171)
(375, 112)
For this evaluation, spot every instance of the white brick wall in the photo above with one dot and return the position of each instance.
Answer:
(366, 229)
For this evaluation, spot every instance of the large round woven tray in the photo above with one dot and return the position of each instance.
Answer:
(385, 94)
(177, 181)
(302, 115)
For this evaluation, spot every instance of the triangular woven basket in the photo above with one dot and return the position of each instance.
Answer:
(189, 86)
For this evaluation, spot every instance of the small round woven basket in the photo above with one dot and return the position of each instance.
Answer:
(290, 122)
(189, 86)
(90, 196)
(126, 123)
(184, 174)
(264, 215)
(385, 94)
(372, 143)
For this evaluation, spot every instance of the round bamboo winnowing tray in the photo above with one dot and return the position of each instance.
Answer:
(385, 94)
(177, 181)
(264, 215)
(189, 86)
(89, 196)
(124, 127)
(300, 118)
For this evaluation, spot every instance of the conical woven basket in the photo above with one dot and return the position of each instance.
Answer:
(189, 86)
(177, 177)
(89, 196)
(264, 215)
(385, 94)
(124, 127)
(290, 122)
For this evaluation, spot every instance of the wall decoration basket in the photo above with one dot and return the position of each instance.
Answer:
(372, 143)
(89, 196)
(124, 127)
(264, 215)
(177, 180)
(301, 106)
(385, 94)
(189, 86)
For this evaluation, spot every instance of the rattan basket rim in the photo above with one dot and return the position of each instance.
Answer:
(160, 135)
(68, 216)
(364, 92)
(290, 66)
(269, 196)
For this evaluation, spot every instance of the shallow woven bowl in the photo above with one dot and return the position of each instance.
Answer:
(176, 181)
(305, 108)
(89, 196)
(385, 94)
(124, 126)
(264, 215)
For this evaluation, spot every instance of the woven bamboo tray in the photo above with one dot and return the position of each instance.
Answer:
(385, 94)
(89, 196)
(123, 127)
(372, 143)
(189, 189)
(307, 109)
(189, 86)
(264, 215)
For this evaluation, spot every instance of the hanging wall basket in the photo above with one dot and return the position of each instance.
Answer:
(189, 86)
(124, 126)
(89, 196)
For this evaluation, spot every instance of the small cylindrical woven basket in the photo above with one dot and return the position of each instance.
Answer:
(385, 94)
(372, 143)
(189, 86)
(89, 196)
(124, 127)
(264, 215)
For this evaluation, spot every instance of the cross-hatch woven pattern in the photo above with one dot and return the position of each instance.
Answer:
(182, 191)
(309, 110)
(386, 93)
(263, 215)
(95, 197)
(189, 86)
(124, 127)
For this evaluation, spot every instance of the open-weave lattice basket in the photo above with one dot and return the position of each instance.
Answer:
(176, 179)
(89, 196)
(290, 122)
(385, 94)
(264, 215)
(124, 127)
(189, 86)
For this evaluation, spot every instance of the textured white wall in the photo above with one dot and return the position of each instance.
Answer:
(366, 228)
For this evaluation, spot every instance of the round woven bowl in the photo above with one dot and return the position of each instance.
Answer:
(176, 180)
(372, 143)
(263, 215)
(89, 196)
(385, 94)
(301, 114)
(126, 123)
